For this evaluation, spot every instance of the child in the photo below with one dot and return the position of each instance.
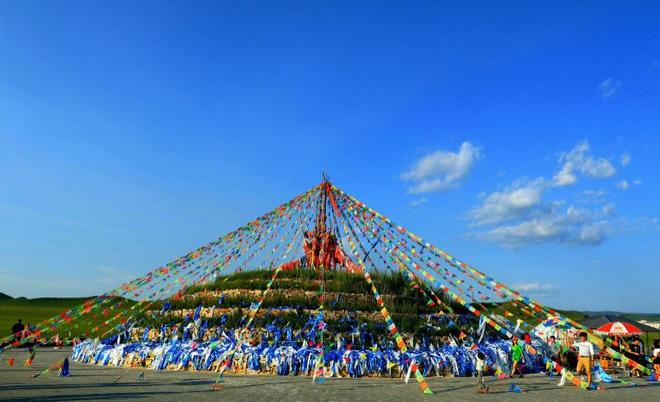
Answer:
(517, 357)
(481, 366)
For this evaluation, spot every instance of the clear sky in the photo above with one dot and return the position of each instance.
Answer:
(524, 138)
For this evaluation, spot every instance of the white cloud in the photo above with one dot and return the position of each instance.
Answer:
(441, 170)
(637, 182)
(608, 209)
(648, 222)
(510, 203)
(419, 201)
(573, 226)
(534, 288)
(623, 185)
(593, 196)
(565, 177)
(609, 88)
(580, 161)
(625, 159)
(519, 215)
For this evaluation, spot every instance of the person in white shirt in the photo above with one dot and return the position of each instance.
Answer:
(585, 351)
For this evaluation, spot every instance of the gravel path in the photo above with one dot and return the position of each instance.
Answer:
(92, 383)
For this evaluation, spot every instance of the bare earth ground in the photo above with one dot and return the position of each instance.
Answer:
(91, 383)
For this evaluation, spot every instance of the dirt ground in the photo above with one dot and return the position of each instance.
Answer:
(96, 383)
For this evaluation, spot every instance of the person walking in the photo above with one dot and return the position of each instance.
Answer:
(517, 357)
(585, 351)
(482, 388)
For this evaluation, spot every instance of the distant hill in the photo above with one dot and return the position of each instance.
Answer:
(5, 296)
(630, 316)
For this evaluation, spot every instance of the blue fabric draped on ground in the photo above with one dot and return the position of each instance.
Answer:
(291, 358)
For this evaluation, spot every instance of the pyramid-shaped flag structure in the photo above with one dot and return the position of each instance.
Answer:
(323, 229)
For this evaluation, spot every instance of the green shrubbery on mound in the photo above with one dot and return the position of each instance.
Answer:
(346, 294)
(307, 279)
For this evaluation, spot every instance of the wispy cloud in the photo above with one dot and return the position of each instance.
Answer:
(623, 185)
(579, 161)
(609, 88)
(441, 170)
(625, 159)
(113, 275)
(419, 201)
(593, 196)
(607, 209)
(573, 226)
(535, 288)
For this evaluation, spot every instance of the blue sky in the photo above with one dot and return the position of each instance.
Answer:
(520, 137)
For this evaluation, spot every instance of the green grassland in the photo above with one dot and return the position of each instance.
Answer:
(32, 311)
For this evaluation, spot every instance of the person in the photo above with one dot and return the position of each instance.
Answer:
(553, 347)
(480, 367)
(585, 351)
(637, 348)
(482, 388)
(17, 330)
(553, 352)
(656, 357)
(636, 353)
(517, 357)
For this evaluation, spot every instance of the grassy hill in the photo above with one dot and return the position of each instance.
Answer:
(295, 295)
(297, 290)
(33, 311)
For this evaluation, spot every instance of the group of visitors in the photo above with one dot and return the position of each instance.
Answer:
(586, 355)
(584, 350)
